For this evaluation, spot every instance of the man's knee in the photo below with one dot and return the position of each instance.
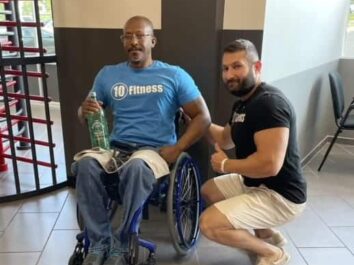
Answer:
(209, 227)
(210, 193)
(214, 229)
(205, 225)
(138, 171)
(204, 191)
(135, 164)
(211, 220)
(86, 169)
(86, 164)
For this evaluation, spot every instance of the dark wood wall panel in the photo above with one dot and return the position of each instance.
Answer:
(190, 38)
(81, 53)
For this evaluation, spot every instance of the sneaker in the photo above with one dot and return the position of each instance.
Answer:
(93, 259)
(115, 260)
(277, 239)
(283, 260)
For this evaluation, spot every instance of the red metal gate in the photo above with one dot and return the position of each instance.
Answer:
(16, 118)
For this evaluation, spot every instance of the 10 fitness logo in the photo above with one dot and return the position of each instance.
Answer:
(120, 90)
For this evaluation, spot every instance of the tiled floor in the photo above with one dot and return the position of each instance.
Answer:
(42, 230)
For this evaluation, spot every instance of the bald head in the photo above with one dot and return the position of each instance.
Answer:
(140, 19)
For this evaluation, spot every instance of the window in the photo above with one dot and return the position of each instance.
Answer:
(27, 14)
(348, 50)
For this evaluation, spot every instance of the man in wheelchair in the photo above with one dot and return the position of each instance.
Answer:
(144, 96)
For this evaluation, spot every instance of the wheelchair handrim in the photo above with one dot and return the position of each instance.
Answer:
(184, 205)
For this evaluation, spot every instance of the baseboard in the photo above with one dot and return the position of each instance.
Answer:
(314, 151)
(317, 148)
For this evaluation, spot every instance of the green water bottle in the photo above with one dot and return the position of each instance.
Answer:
(98, 128)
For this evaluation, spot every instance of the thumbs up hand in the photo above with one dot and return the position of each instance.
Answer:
(218, 159)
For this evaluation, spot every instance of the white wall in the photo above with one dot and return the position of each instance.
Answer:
(103, 13)
(301, 34)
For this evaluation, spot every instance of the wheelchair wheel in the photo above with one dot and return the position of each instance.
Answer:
(184, 204)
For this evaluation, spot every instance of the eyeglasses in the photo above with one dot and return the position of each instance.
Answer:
(130, 37)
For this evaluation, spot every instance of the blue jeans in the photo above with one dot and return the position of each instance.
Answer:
(133, 183)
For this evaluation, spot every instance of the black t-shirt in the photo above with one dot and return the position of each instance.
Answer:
(269, 108)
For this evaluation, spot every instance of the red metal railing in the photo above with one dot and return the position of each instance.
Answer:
(7, 23)
(17, 121)
(28, 73)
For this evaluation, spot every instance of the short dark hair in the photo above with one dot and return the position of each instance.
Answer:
(243, 45)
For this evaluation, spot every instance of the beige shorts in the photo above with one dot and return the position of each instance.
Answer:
(253, 207)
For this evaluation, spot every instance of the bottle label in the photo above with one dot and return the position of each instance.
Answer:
(98, 131)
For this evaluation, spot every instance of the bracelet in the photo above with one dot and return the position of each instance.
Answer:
(223, 165)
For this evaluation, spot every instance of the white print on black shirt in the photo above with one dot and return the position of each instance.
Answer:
(237, 117)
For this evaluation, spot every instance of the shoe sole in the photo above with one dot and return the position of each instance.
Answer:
(282, 243)
(287, 259)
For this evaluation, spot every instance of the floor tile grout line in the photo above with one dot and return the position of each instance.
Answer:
(313, 157)
(344, 149)
(315, 172)
(347, 247)
(339, 239)
(13, 217)
(349, 204)
(339, 197)
(342, 226)
(51, 231)
(323, 247)
(295, 246)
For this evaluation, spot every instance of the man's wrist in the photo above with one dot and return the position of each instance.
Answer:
(223, 162)
(180, 147)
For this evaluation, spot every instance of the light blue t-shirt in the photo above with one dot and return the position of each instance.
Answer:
(144, 101)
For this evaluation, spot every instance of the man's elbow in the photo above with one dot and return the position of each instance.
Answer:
(270, 165)
(206, 119)
(273, 168)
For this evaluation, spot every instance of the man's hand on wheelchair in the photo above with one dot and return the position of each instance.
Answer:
(170, 153)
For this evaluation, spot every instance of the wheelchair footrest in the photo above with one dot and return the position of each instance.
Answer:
(150, 260)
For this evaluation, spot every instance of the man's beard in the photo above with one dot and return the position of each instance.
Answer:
(245, 87)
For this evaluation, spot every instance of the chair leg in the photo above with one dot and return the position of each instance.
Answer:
(329, 148)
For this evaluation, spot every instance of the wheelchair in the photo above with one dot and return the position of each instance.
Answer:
(179, 195)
